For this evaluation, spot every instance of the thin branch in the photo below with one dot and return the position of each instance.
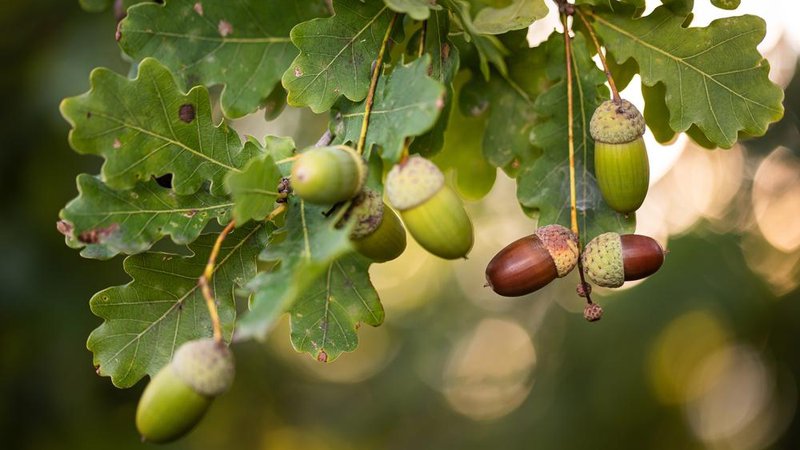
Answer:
(376, 70)
(422, 37)
(573, 210)
(607, 71)
(205, 282)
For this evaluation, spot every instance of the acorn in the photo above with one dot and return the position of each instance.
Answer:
(328, 175)
(432, 212)
(610, 259)
(180, 393)
(378, 233)
(620, 157)
(531, 262)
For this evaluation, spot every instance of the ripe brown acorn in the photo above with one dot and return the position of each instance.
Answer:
(531, 262)
(611, 259)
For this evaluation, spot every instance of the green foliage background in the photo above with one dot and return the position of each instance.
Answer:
(591, 388)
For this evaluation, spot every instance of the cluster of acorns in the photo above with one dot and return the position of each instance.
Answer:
(623, 175)
(432, 212)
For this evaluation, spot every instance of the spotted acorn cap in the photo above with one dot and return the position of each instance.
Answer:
(205, 365)
(562, 244)
(602, 260)
(367, 209)
(413, 182)
(616, 123)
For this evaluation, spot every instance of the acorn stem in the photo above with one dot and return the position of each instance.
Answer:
(571, 135)
(376, 70)
(205, 280)
(590, 30)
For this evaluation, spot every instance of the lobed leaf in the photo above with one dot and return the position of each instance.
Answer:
(255, 189)
(326, 316)
(714, 77)
(543, 182)
(106, 222)
(147, 127)
(162, 307)
(242, 45)
(490, 49)
(336, 54)
(407, 103)
(304, 248)
(517, 15)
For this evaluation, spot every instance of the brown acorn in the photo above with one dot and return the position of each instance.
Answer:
(531, 262)
(611, 259)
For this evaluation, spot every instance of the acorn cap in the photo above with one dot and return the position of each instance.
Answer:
(616, 123)
(367, 211)
(205, 365)
(562, 244)
(413, 182)
(602, 260)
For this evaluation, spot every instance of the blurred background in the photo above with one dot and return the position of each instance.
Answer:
(703, 355)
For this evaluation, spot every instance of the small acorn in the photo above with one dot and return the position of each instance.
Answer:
(328, 175)
(431, 211)
(620, 157)
(610, 259)
(378, 233)
(180, 393)
(531, 262)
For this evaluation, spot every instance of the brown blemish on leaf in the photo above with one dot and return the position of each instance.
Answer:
(445, 51)
(98, 234)
(186, 112)
(322, 356)
(118, 32)
(64, 227)
(116, 144)
(190, 213)
(225, 28)
(198, 8)
(298, 72)
(88, 114)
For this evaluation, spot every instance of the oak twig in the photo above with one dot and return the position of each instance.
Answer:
(205, 281)
(376, 70)
(606, 70)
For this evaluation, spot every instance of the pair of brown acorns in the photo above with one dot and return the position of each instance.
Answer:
(609, 260)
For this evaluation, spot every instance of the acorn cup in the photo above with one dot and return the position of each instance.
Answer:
(609, 260)
(179, 395)
(620, 157)
(328, 175)
(378, 233)
(531, 262)
(432, 212)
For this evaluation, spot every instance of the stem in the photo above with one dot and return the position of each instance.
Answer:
(422, 37)
(607, 71)
(573, 209)
(376, 70)
(205, 281)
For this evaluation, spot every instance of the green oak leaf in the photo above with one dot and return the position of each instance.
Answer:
(543, 182)
(304, 248)
(490, 48)
(416, 9)
(714, 77)
(162, 307)
(255, 189)
(445, 62)
(608, 3)
(326, 316)
(106, 222)
(407, 103)
(517, 15)
(242, 45)
(462, 155)
(147, 127)
(336, 54)
(656, 114)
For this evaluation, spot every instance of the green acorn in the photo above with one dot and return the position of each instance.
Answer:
(178, 396)
(620, 157)
(431, 211)
(328, 175)
(378, 233)
(609, 260)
